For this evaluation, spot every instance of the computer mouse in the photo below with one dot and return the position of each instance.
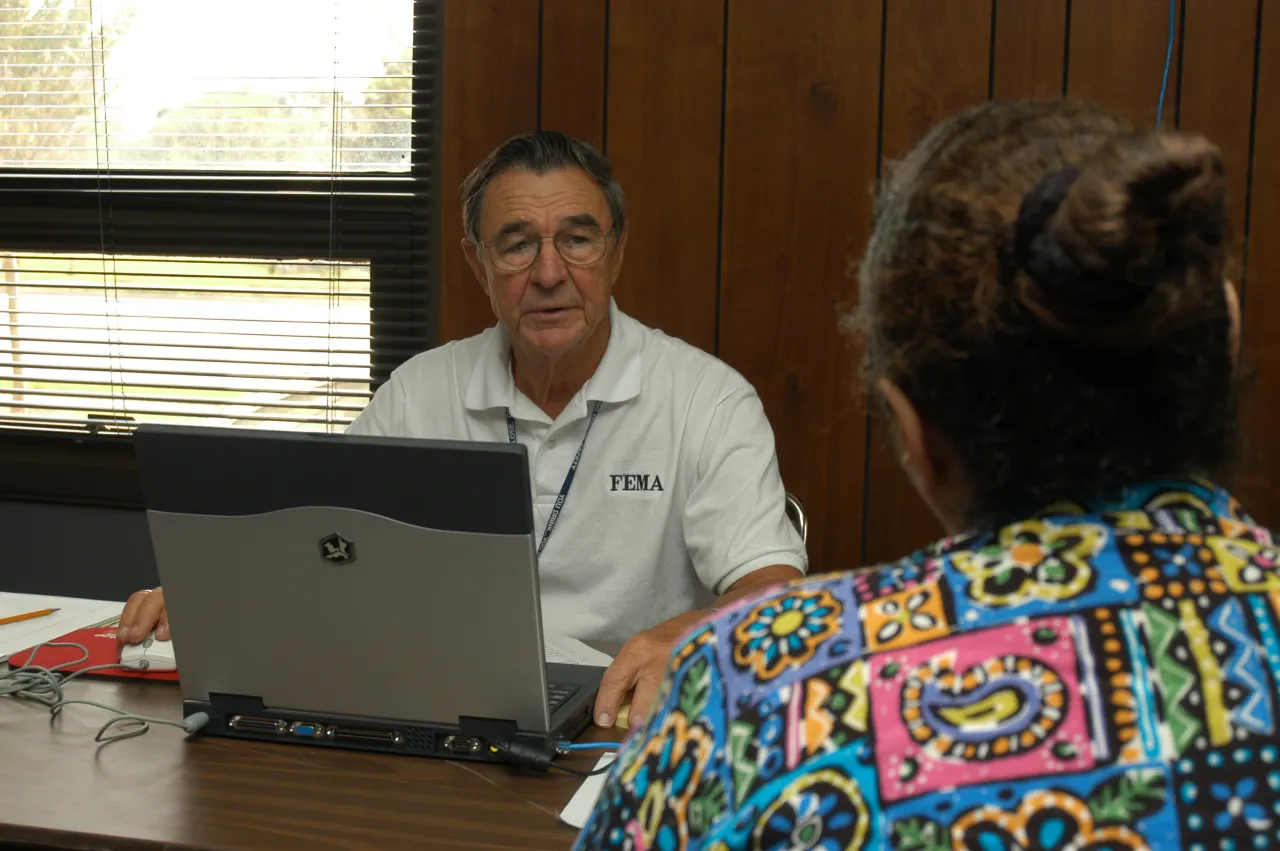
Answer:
(149, 655)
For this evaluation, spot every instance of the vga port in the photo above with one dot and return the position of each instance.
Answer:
(462, 744)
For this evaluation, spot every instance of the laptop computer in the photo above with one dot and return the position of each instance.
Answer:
(371, 593)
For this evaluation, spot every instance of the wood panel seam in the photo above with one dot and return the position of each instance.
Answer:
(1253, 136)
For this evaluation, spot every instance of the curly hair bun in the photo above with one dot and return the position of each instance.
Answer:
(1120, 251)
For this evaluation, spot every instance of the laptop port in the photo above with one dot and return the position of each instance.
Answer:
(248, 724)
(388, 738)
(301, 728)
(461, 744)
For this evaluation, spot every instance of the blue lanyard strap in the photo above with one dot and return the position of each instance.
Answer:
(568, 479)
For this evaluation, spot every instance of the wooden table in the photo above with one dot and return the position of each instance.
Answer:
(60, 789)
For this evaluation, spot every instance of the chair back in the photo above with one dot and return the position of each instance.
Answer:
(795, 513)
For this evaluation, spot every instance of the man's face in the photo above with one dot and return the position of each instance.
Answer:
(551, 305)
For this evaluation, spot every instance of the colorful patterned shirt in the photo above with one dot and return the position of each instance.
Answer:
(1101, 678)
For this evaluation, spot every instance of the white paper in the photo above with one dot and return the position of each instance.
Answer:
(73, 613)
(578, 810)
(571, 651)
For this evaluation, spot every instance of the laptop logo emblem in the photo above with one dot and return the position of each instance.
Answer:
(336, 549)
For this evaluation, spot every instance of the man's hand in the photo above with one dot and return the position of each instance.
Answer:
(144, 612)
(642, 665)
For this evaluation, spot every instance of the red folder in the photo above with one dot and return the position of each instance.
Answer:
(101, 644)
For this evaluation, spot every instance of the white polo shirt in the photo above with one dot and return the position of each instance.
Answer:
(677, 494)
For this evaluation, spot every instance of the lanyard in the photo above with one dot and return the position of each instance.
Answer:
(568, 479)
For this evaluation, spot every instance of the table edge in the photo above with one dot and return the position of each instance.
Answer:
(72, 840)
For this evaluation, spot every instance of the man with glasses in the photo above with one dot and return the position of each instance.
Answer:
(652, 462)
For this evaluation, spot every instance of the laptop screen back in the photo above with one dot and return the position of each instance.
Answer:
(362, 576)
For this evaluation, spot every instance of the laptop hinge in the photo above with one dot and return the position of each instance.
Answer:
(488, 729)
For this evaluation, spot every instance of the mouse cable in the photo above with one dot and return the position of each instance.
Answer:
(45, 685)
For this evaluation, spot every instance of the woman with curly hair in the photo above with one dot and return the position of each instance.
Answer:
(1091, 659)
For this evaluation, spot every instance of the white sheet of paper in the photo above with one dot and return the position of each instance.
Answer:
(73, 613)
(578, 810)
(571, 651)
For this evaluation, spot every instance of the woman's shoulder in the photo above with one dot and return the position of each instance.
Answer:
(1100, 661)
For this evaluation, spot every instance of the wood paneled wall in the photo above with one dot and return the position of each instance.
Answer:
(748, 135)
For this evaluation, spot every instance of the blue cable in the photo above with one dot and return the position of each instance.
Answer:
(587, 746)
(1168, 60)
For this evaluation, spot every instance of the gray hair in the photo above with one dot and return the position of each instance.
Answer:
(540, 152)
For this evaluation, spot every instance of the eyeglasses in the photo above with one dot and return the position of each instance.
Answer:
(580, 245)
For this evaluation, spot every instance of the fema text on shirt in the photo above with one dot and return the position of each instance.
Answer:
(635, 482)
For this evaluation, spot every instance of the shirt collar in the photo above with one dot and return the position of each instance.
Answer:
(616, 379)
(1198, 494)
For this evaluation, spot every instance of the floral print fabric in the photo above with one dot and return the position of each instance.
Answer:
(1101, 678)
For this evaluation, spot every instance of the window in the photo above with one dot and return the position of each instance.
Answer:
(272, 85)
(212, 213)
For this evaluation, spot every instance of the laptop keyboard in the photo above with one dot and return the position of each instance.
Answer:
(558, 693)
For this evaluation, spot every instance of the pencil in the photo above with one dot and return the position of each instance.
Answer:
(28, 616)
